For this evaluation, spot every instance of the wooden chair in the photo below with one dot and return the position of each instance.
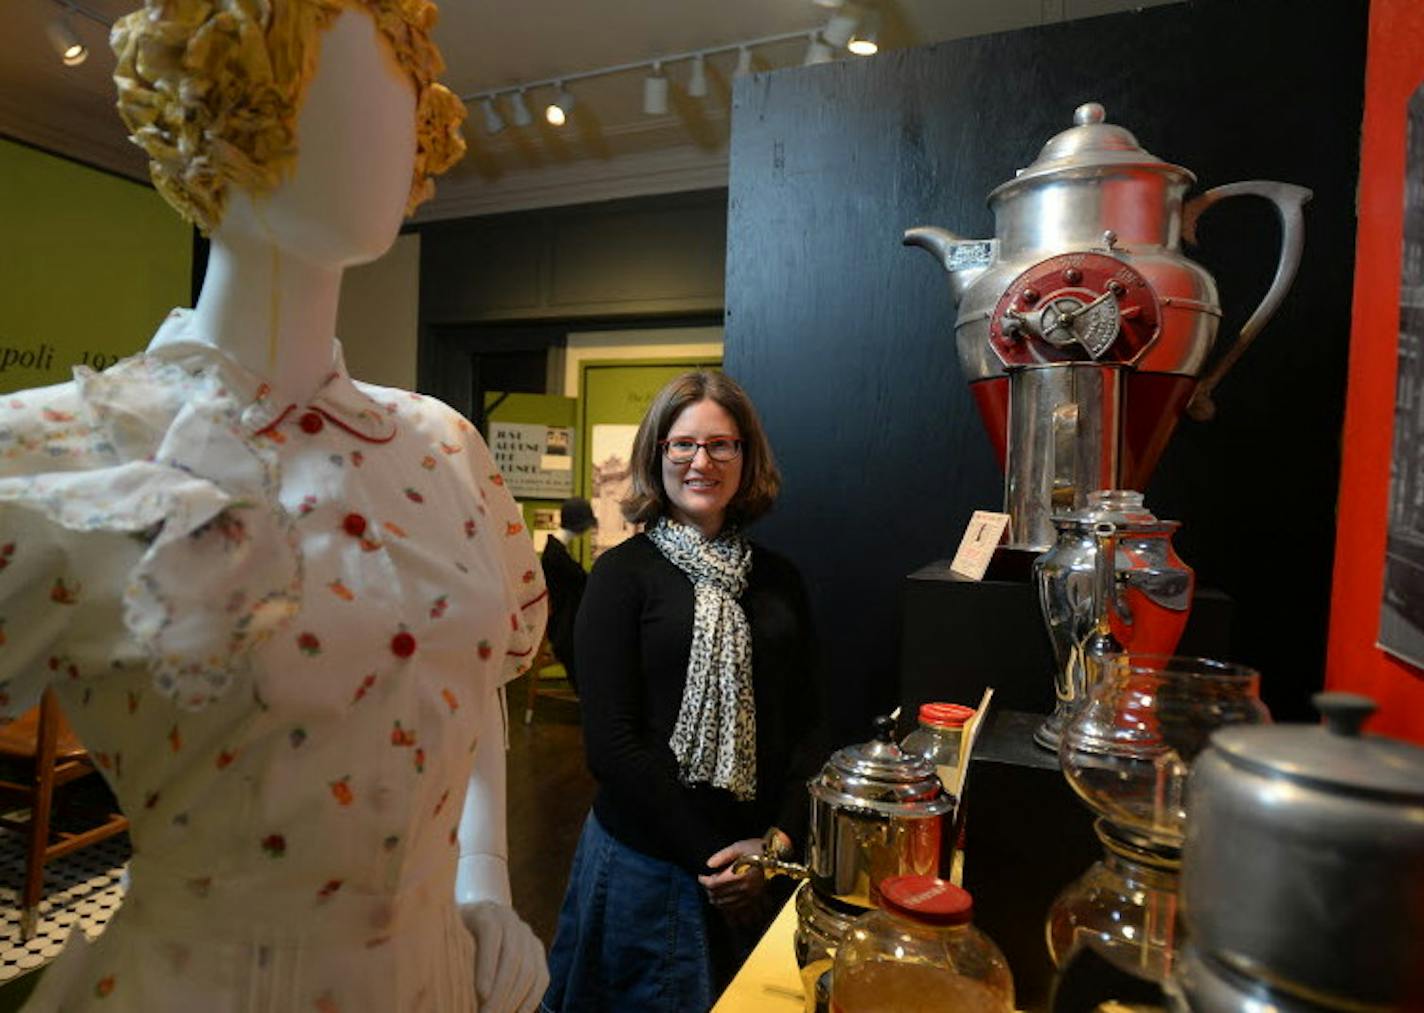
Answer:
(42, 740)
(543, 658)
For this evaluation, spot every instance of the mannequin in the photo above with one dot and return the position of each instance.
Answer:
(169, 522)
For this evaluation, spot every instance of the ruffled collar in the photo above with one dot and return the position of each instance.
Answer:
(337, 399)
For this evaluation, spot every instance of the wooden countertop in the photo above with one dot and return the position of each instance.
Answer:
(769, 980)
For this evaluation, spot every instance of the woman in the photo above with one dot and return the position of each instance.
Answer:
(693, 647)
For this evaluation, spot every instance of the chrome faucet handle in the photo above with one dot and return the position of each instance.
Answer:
(772, 860)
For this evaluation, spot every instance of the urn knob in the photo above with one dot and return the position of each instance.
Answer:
(1089, 112)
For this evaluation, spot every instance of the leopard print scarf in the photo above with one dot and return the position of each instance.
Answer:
(714, 739)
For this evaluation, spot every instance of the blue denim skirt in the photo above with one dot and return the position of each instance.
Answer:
(632, 934)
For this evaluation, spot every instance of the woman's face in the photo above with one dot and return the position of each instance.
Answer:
(698, 492)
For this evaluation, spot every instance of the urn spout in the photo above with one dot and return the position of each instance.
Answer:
(964, 260)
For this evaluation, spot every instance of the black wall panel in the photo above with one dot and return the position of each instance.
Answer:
(844, 337)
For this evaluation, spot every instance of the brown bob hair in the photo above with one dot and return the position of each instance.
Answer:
(647, 500)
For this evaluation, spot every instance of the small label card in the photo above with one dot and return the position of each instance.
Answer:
(985, 531)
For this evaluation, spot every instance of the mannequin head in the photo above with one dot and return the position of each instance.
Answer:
(343, 200)
(212, 90)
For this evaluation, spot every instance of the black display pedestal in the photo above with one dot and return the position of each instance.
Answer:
(958, 636)
(1027, 834)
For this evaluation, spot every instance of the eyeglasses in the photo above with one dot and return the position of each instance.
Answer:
(723, 449)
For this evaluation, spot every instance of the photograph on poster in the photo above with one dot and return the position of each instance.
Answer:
(545, 523)
(611, 451)
(1401, 630)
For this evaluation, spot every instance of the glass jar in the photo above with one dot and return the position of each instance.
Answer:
(920, 953)
(940, 738)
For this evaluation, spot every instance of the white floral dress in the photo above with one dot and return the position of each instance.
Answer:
(274, 626)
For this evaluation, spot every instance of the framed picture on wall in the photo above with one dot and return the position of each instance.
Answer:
(611, 460)
(1401, 630)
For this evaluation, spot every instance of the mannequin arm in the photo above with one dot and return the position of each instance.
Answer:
(510, 969)
(483, 870)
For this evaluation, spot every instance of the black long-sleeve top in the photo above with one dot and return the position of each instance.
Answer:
(632, 637)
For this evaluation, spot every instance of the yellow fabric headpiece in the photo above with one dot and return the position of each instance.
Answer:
(210, 89)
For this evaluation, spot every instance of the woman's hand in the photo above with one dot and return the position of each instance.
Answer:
(737, 894)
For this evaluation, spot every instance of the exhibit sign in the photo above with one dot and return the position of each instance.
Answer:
(536, 460)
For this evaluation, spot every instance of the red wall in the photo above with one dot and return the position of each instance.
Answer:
(1394, 68)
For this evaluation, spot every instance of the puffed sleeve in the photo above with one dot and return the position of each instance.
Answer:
(137, 527)
(527, 596)
(58, 543)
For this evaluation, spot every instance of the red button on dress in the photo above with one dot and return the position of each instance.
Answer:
(402, 645)
(355, 525)
(311, 422)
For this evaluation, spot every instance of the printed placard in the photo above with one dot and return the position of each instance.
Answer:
(535, 460)
(985, 531)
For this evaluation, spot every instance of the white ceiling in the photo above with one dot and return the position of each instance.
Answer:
(608, 149)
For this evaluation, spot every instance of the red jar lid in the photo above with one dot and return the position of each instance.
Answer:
(926, 899)
(946, 715)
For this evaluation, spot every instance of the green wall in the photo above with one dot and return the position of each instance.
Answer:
(89, 265)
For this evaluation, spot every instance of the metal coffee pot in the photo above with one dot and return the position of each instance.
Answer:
(876, 812)
(1111, 583)
(1082, 331)
(1303, 868)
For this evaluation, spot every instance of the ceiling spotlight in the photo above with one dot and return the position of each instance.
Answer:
(66, 43)
(494, 122)
(816, 51)
(744, 62)
(519, 109)
(655, 92)
(557, 112)
(697, 79)
(866, 40)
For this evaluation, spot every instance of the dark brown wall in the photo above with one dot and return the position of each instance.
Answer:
(843, 337)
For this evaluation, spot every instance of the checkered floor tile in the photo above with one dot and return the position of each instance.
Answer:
(82, 890)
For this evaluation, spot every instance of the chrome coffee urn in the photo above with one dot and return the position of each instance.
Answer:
(1112, 582)
(876, 812)
(1082, 330)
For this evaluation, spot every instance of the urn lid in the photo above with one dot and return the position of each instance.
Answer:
(880, 776)
(1091, 143)
(1333, 755)
(1122, 508)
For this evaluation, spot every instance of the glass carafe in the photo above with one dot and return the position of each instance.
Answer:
(1124, 907)
(1127, 752)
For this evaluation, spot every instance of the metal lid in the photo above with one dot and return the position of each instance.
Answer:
(880, 776)
(1091, 143)
(1122, 508)
(1334, 755)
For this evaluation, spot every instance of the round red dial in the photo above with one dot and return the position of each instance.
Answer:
(1075, 307)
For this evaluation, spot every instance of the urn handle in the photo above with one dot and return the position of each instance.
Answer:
(1289, 201)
